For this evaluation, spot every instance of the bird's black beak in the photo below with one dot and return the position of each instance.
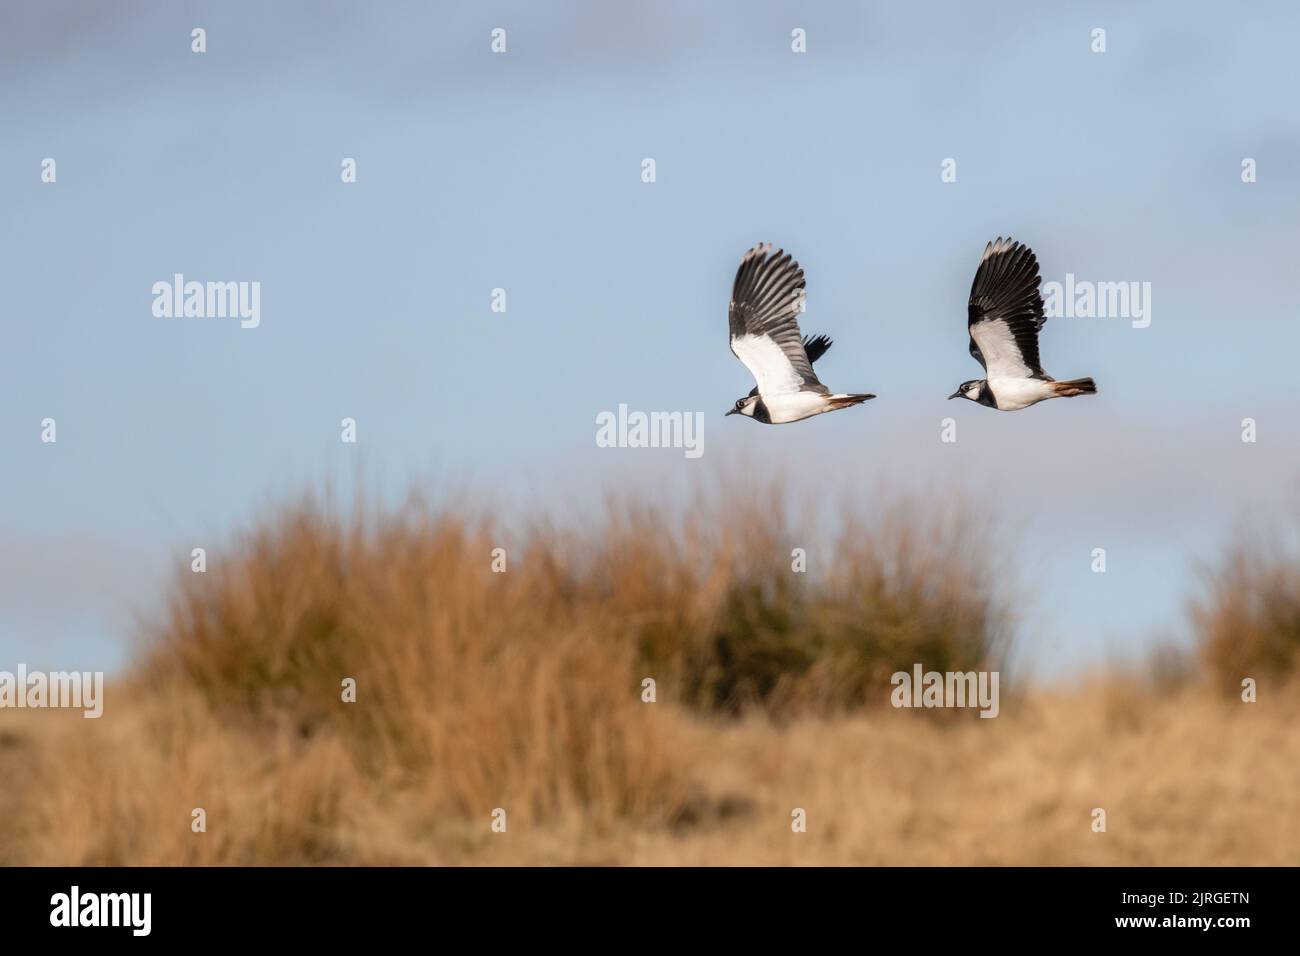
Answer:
(730, 411)
(956, 394)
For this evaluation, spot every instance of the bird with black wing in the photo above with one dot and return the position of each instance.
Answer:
(765, 299)
(1004, 316)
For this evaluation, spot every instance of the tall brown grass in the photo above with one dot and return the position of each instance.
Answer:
(1248, 618)
(481, 685)
(522, 690)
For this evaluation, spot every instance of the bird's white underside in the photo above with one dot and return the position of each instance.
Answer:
(795, 406)
(768, 364)
(779, 385)
(1009, 376)
(1002, 357)
(1013, 394)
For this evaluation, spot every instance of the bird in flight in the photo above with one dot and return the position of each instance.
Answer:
(767, 295)
(1005, 314)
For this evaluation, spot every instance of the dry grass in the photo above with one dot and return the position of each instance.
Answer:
(1185, 779)
(1249, 619)
(522, 690)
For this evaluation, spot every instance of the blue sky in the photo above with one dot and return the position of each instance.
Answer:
(522, 171)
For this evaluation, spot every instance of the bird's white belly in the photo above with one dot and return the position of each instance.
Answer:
(794, 406)
(1016, 393)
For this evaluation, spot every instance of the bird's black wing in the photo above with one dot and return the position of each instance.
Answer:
(816, 346)
(765, 299)
(1006, 312)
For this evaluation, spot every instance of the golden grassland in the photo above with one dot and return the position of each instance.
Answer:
(523, 690)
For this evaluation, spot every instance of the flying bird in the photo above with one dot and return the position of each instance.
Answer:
(1004, 316)
(767, 295)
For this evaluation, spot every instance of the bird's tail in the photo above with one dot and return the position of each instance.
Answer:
(848, 401)
(1075, 386)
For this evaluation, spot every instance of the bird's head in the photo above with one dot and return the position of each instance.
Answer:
(971, 390)
(744, 406)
